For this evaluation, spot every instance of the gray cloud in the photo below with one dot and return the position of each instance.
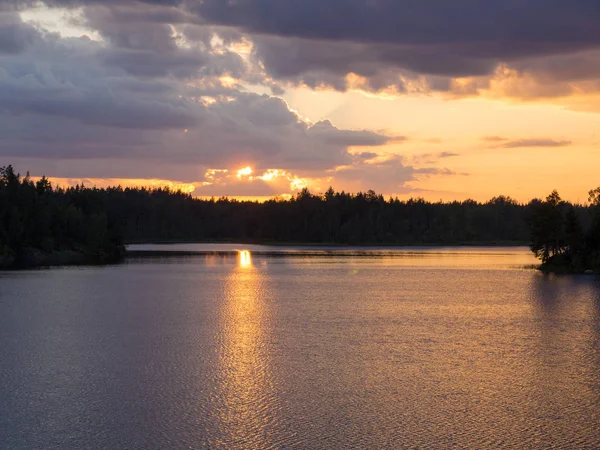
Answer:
(447, 154)
(317, 42)
(386, 176)
(400, 44)
(67, 78)
(66, 99)
(15, 36)
(330, 134)
(542, 142)
(261, 130)
(491, 28)
(148, 101)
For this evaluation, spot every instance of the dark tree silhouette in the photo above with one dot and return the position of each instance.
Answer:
(547, 236)
(559, 238)
(37, 220)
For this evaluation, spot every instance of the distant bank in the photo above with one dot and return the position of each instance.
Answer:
(44, 225)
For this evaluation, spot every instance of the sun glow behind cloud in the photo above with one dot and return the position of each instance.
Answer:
(284, 180)
(244, 172)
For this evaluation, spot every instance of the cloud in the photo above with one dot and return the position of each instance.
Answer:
(162, 95)
(325, 131)
(432, 158)
(491, 25)
(69, 99)
(15, 35)
(67, 78)
(461, 48)
(416, 45)
(493, 139)
(535, 143)
(388, 175)
(232, 187)
(502, 142)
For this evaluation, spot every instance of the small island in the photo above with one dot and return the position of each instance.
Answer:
(560, 239)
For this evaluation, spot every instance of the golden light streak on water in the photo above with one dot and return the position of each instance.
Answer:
(245, 376)
(245, 258)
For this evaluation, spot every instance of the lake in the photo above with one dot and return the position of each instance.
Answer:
(231, 346)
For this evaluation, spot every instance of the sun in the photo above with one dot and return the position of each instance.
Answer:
(244, 172)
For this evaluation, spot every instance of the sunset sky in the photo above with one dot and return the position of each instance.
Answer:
(256, 98)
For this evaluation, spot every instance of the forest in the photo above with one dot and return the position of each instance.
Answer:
(95, 223)
(41, 225)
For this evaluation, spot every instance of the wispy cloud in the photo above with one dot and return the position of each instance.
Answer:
(535, 143)
(493, 139)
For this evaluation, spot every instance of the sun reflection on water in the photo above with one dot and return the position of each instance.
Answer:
(248, 397)
(245, 258)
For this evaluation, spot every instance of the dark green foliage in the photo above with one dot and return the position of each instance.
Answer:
(559, 238)
(37, 219)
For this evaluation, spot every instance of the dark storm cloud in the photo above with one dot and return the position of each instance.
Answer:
(21, 4)
(490, 27)
(494, 28)
(15, 35)
(407, 45)
(433, 37)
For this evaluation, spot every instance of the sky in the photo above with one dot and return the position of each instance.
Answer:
(254, 99)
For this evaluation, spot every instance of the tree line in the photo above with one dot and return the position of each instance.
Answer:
(161, 215)
(41, 223)
(98, 221)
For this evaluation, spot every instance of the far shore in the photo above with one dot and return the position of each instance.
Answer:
(336, 244)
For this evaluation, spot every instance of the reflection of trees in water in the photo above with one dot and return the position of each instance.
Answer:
(565, 362)
(596, 328)
(559, 295)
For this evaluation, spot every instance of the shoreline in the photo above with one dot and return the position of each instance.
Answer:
(36, 259)
(32, 258)
(334, 244)
(562, 270)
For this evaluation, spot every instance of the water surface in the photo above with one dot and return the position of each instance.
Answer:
(239, 347)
